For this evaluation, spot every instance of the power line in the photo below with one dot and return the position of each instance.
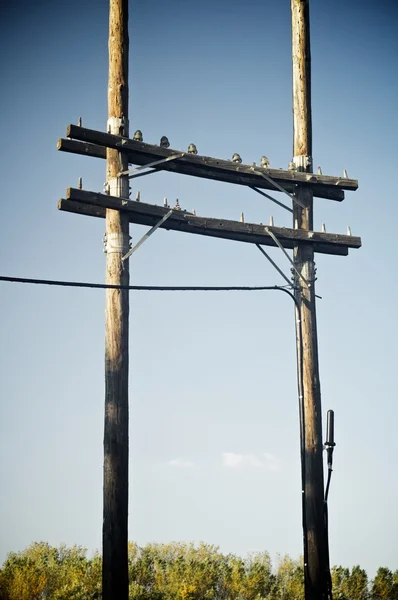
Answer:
(155, 288)
(147, 288)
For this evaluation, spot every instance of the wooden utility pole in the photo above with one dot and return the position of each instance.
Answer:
(315, 537)
(115, 517)
(115, 206)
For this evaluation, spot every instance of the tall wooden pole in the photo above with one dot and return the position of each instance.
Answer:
(315, 540)
(115, 522)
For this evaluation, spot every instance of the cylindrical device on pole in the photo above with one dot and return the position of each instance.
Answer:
(330, 429)
(316, 565)
(115, 514)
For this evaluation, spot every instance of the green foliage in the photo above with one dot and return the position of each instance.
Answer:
(385, 585)
(185, 572)
(43, 572)
(178, 572)
(348, 585)
(289, 581)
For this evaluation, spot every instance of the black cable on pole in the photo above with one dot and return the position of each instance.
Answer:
(300, 389)
(326, 523)
(147, 288)
(329, 446)
(154, 288)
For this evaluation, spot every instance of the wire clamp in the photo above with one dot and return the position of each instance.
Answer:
(117, 186)
(116, 243)
(303, 163)
(118, 126)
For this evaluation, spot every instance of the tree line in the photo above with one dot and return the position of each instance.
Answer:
(178, 572)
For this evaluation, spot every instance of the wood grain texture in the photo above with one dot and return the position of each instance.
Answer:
(83, 148)
(149, 214)
(315, 533)
(301, 57)
(90, 210)
(317, 574)
(115, 509)
(140, 153)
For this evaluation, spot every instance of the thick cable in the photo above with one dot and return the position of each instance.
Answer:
(152, 288)
(146, 288)
(326, 522)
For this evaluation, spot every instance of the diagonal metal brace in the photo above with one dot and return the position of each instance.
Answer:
(155, 163)
(277, 242)
(280, 188)
(273, 263)
(147, 235)
(271, 198)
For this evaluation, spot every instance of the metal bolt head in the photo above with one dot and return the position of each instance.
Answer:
(164, 142)
(264, 162)
(192, 149)
(236, 158)
(138, 136)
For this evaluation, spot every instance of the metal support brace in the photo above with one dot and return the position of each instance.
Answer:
(147, 235)
(151, 164)
(271, 198)
(277, 242)
(279, 188)
(275, 265)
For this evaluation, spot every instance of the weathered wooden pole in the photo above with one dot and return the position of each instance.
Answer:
(315, 540)
(114, 532)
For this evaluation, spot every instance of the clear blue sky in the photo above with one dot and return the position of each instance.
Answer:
(214, 420)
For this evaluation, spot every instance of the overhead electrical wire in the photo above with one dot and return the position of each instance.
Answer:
(157, 288)
(147, 288)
